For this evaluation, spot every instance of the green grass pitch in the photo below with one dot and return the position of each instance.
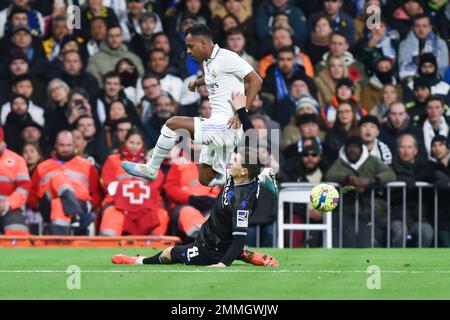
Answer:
(40, 273)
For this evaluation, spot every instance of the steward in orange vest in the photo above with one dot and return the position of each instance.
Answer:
(65, 187)
(14, 188)
(132, 206)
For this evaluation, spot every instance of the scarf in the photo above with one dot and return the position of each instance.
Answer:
(282, 90)
(128, 156)
(428, 133)
(386, 47)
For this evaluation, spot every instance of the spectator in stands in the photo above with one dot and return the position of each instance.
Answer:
(15, 120)
(281, 37)
(345, 91)
(297, 20)
(436, 123)
(379, 41)
(388, 96)
(94, 8)
(326, 79)
(319, 42)
(23, 85)
(421, 39)
(369, 132)
(165, 108)
(19, 66)
(59, 30)
(132, 206)
(65, 188)
(346, 125)
(303, 125)
(32, 155)
(406, 166)
(403, 17)
(152, 90)
(74, 75)
(111, 51)
(384, 75)
(417, 107)
(129, 79)
(98, 27)
(112, 91)
(442, 21)
(279, 74)
(79, 105)
(159, 64)
(97, 145)
(56, 113)
(367, 9)
(340, 21)
(34, 133)
(236, 40)
(22, 40)
(398, 123)
(339, 46)
(35, 20)
(356, 167)
(130, 23)
(283, 110)
(123, 126)
(437, 171)
(141, 43)
(428, 70)
(15, 186)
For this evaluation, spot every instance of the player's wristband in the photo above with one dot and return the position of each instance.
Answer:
(243, 116)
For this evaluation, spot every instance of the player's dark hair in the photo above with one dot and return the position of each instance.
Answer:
(251, 160)
(200, 29)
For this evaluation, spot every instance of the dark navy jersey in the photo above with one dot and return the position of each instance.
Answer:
(230, 215)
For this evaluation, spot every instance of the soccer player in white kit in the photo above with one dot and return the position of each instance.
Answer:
(226, 76)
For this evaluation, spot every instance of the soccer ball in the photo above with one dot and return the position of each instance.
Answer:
(324, 197)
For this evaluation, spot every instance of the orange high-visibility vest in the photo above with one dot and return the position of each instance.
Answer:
(132, 193)
(14, 179)
(81, 175)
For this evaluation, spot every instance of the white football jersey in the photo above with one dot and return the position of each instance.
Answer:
(224, 73)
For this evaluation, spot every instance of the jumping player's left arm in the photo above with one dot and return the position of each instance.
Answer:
(240, 216)
(253, 83)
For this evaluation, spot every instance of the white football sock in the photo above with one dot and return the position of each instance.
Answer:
(165, 143)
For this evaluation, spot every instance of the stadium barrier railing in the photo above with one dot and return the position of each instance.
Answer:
(298, 192)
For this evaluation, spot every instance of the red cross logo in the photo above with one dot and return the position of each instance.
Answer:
(136, 191)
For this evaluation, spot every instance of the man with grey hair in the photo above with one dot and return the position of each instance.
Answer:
(406, 166)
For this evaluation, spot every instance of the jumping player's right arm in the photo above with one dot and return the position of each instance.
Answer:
(195, 84)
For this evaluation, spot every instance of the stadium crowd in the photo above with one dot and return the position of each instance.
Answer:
(359, 99)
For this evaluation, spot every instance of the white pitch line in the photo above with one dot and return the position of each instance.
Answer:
(226, 271)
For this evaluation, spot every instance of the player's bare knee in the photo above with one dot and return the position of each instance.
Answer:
(165, 256)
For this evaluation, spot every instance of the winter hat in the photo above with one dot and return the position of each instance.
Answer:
(369, 119)
(21, 28)
(32, 123)
(442, 139)
(306, 101)
(427, 57)
(345, 82)
(18, 55)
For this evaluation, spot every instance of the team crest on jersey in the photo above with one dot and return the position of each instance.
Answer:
(242, 218)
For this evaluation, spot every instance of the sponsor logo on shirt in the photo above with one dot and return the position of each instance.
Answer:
(242, 218)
